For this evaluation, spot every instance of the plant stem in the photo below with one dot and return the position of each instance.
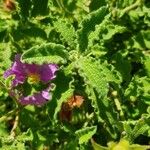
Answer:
(3, 118)
(133, 6)
(2, 85)
(118, 105)
(61, 5)
(13, 130)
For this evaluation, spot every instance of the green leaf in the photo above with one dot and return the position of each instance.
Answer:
(140, 128)
(65, 96)
(33, 31)
(85, 134)
(88, 25)
(3, 130)
(98, 75)
(147, 64)
(139, 87)
(40, 7)
(26, 136)
(97, 146)
(95, 4)
(93, 75)
(110, 73)
(71, 145)
(140, 40)
(96, 35)
(123, 66)
(25, 7)
(5, 55)
(62, 84)
(122, 145)
(67, 31)
(104, 32)
(112, 30)
(46, 53)
(3, 25)
(139, 147)
(96, 80)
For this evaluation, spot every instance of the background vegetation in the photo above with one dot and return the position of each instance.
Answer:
(102, 89)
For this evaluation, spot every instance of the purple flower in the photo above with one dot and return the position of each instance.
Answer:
(36, 99)
(32, 74)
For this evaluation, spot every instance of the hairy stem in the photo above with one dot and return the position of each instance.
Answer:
(3, 118)
(61, 5)
(131, 7)
(13, 130)
(118, 105)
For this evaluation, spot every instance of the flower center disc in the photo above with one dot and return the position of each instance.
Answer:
(33, 78)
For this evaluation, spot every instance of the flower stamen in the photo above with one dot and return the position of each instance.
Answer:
(33, 78)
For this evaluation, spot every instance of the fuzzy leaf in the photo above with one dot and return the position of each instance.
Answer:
(97, 146)
(97, 88)
(147, 64)
(85, 134)
(93, 75)
(99, 29)
(123, 66)
(46, 53)
(67, 31)
(139, 87)
(110, 73)
(88, 25)
(98, 75)
(112, 30)
(140, 128)
(40, 7)
(104, 31)
(3, 25)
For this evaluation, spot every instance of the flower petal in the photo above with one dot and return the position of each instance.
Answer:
(19, 79)
(17, 69)
(8, 72)
(47, 72)
(22, 72)
(32, 68)
(36, 99)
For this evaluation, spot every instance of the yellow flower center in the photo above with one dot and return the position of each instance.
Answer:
(33, 78)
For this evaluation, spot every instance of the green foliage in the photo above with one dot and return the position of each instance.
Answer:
(102, 49)
(85, 134)
(40, 7)
(97, 146)
(9, 143)
(67, 32)
(122, 145)
(92, 74)
(97, 76)
(105, 31)
(88, 25)
(147, 64)
(65, 96)
(141, 126)
(46, 53)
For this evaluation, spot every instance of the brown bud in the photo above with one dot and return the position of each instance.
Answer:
(9, 5)
(66, 108)
(65, 112)
(75, 101)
